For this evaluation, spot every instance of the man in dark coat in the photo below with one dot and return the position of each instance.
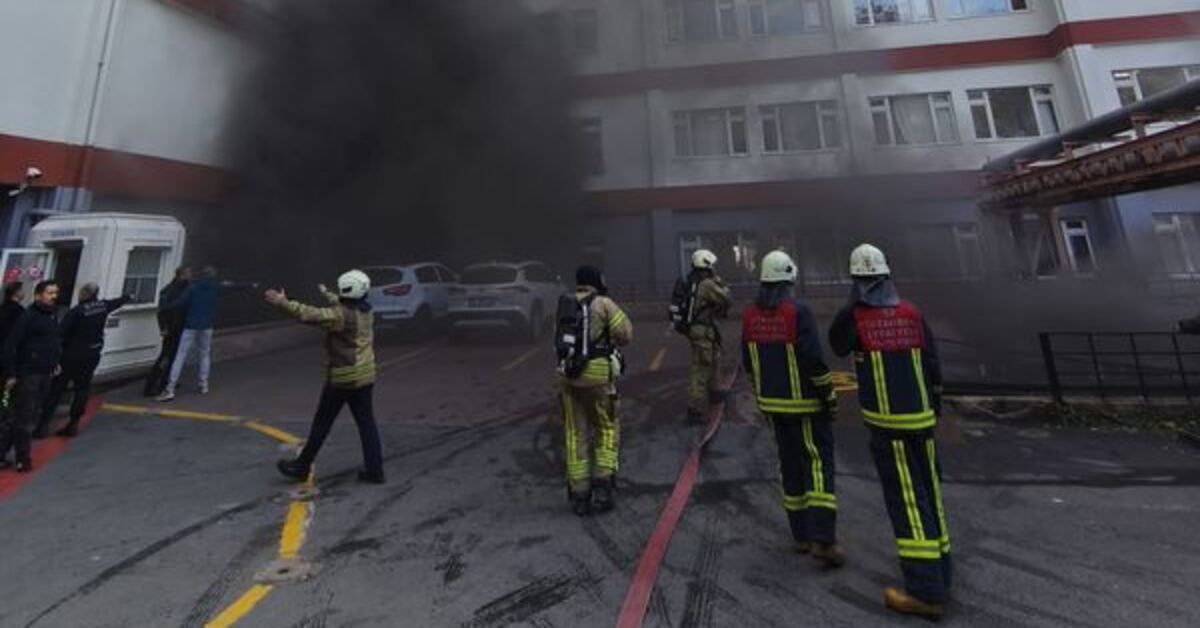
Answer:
(172, 312)
(32, 353)
(83, 341)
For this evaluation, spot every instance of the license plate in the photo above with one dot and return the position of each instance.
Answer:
(480, 302)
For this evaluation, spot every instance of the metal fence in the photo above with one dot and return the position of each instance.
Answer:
(1122, 364)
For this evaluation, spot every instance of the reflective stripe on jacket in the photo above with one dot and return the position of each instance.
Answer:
(782, 353)
(349, 338)
(606, 319)
(896, 363)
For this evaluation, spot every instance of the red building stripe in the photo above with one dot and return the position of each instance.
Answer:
(931, 57)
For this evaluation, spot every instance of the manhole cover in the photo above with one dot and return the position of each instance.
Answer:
(280, 571)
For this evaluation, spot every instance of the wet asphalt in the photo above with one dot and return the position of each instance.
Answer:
(153, 521)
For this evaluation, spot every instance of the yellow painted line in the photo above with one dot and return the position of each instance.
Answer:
(273, 432)
(169, 414)
(657, 362)
(844, 381)
(521, 359)
(241, 607)
(295, 529)
(124, 409)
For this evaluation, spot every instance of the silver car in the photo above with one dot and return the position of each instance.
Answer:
(521, 295)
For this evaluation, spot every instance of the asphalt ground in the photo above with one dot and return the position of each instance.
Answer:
(181, 520)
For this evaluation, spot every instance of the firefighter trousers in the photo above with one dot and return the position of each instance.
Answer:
(911, 477)
(591, 435)
(806, 475)
(704, 372)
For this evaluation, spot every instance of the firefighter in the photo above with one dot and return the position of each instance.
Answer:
(711, 303)
(589, 395)
(349, 371)
(899, 389)
(781, 349)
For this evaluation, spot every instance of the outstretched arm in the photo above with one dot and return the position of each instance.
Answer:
(325, 317)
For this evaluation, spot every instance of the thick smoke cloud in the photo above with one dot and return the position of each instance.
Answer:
(384, 131)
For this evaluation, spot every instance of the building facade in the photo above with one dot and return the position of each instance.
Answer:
(811, 125)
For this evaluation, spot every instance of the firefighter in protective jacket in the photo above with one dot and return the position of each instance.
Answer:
(781, 349)
(704, 333)
(899, 389)
(589, 399)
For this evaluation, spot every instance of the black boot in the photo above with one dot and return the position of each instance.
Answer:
(604, 497)
(70, 431)
(581, 504)
(41, 432)
(371, 477)
(293, 469)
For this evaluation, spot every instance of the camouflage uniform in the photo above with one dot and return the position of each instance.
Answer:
(704, 335)
(589, 401)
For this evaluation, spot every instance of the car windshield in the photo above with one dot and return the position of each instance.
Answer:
(489, 275)
(385, 276)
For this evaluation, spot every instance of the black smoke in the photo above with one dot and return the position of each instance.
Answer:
(386, 131)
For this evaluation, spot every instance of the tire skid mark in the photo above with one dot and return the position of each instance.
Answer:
(698, 608)
(209, 601)
(522, 603)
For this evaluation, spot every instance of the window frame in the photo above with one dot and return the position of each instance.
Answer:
(822, 111)
(1190, 250)
(156, 277)
(944, 5)
(934, 107)
(872, 23)
(1069, 232)
(592, 127)
(730, 113)
(725, 16)
(572, 23)
(761, 6)
(1132, 79)
(1035, 99)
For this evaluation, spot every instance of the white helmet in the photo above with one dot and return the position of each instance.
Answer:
(704, 258)
(777, 267)
(868, 261)
(353, 284)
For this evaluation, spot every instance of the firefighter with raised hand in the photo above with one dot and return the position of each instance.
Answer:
(349, 328)
(710, 303)
(781, 350)
(590, 329)
(899, 389)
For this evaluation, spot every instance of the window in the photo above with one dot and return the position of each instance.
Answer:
(446, 275)
(1034, 242)
(141, 274)
(1012, 112)
(710, 132)
(427, 274)
(785, 17)
(1134, 85)
(385, 276)
(800, 126)
(947, 251)
(973, 8)
(739, 252)
(917, 119)
(1178, 237)
(700, 20)
(489, 275)
(591, 139)
(539, 274)
(1079, 246)
(583, 32)
(871, 12)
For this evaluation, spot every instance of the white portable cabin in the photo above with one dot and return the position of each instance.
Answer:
(123, 254)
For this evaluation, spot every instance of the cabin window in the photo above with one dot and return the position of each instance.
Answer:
(141, 274)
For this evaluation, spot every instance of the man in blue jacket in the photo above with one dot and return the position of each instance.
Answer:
(200, 303)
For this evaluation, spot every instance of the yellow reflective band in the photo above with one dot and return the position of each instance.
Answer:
(814, 457)
(789, 406)
(931, 452)
(881, 394)
(617, 319)
(577, 469)
(919, 549)
(919, 371)
(907, 491)
(823, 380)
(809, 500)
(918, 421)
(793, 372)
(794, 502)
(754, 365)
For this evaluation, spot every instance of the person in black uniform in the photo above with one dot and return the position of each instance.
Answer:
(10, 311)
(31, 357)
(170, 326)
(83, 340)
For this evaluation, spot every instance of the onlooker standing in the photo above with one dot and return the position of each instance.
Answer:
(83, 341)
(170, 326)
(31, 356)
(10, 311)
(200, 301)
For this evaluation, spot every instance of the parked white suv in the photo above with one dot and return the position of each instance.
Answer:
(416, 295)
(522, 295)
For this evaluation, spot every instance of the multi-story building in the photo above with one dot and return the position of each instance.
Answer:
(744, 125)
